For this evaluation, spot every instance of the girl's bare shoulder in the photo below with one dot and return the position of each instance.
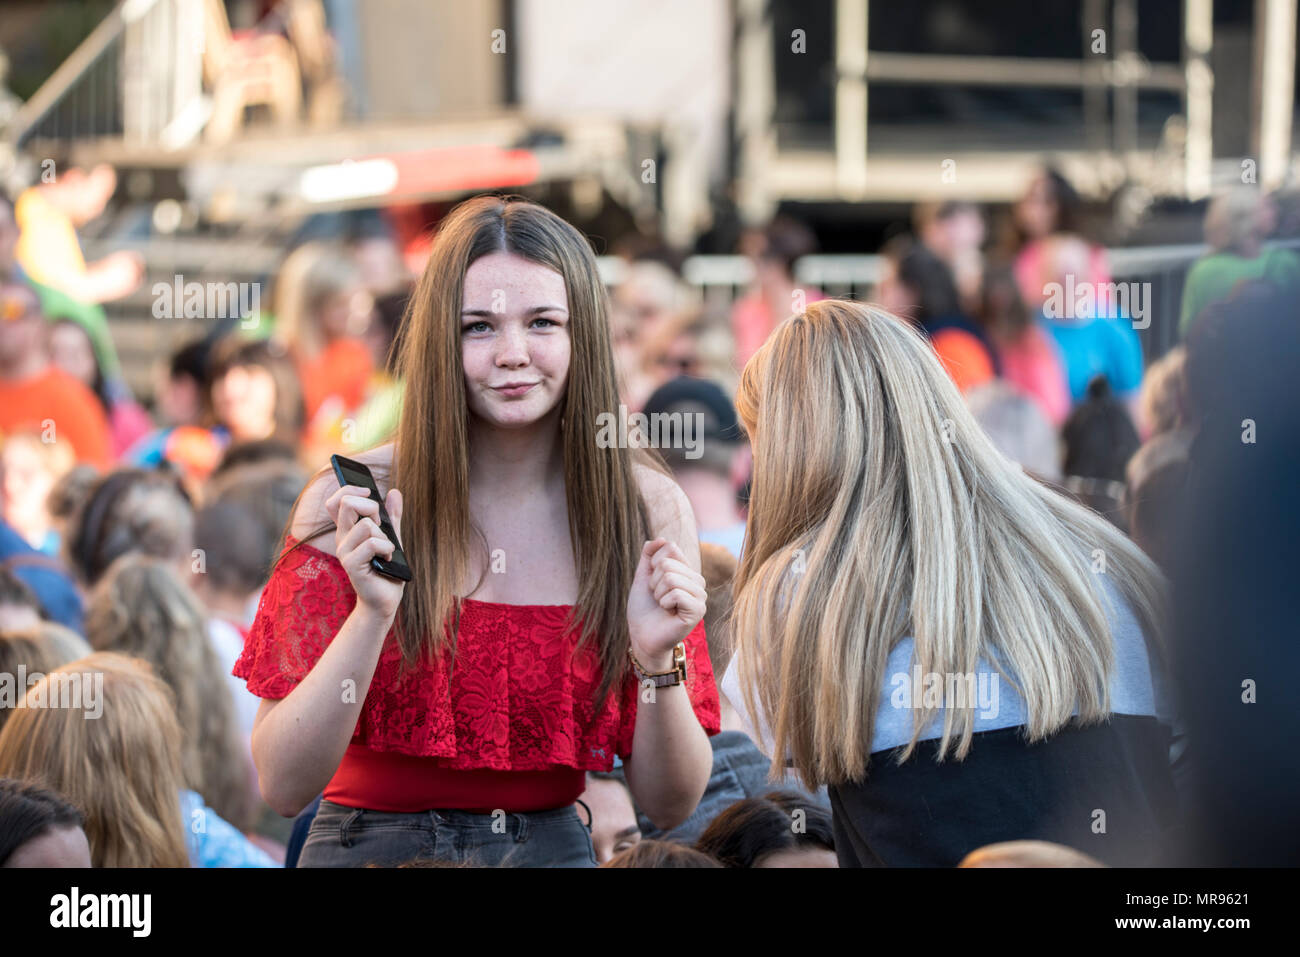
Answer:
(669, 511)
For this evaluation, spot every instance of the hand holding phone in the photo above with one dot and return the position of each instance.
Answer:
(367, 539)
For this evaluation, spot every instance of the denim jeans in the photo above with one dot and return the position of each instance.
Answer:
(355, 837)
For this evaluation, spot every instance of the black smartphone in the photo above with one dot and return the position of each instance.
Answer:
(350, 472)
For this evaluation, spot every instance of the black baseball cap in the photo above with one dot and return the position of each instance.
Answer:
(706, 396)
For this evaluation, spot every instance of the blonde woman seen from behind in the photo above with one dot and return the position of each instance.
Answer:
(142, 608)
(959, 653)
(117, 755)
(122, 769)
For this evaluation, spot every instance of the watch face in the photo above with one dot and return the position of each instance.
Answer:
(664, 679)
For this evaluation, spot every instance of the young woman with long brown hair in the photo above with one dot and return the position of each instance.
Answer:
(960, 654)
(454, 717)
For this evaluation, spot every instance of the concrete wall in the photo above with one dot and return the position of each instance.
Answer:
(429, 57)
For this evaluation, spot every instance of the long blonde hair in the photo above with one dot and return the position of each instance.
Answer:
(608, 521)
(879, 510)
(122, 768)
(142, 608)
(307, 278)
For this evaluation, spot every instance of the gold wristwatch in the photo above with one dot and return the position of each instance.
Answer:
(663, 679)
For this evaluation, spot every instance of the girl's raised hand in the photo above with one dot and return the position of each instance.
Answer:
(667, 601)
(358, 538)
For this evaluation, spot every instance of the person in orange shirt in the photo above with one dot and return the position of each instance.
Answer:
(322, 312)
(34, 393)
(919, 287)
(964, 356)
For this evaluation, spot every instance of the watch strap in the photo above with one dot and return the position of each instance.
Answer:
(663, 679)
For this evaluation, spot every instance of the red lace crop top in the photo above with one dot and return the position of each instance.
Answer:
(521, 696)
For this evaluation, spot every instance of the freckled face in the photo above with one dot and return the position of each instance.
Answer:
(515, 340)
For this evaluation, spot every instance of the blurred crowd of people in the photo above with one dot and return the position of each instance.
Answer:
(135, 544)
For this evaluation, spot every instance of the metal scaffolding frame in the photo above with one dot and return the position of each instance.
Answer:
(851, 172)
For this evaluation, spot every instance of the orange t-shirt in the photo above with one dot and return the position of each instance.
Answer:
(343, 369)
(964, 356)
(55, 400)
